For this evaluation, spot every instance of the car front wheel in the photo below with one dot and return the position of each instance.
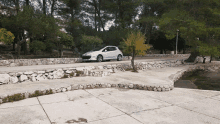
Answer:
(99, 58)
(119, 58)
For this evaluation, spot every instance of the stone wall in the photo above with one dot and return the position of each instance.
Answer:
(42, 61)
(18, 77)
(168, 55)
(53, 61)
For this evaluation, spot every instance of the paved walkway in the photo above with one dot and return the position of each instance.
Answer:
(114, 106)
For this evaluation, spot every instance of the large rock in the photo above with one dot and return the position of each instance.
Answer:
(13, 80)
(58, 74)
(4, 78)
(80, 68)
(12, 65)
(40, 72)
(12, 74)
(33, 78)
(23, 78)
(19, 73)
(34, 75)
(50, 76)
(40, 78)
(28, 72)
(68, 71)
(49, 70)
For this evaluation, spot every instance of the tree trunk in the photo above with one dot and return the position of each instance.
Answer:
(161, 51)
(204, 58)
(192, 57)
(210, 59)
(184, 50)
(18, 47)
(121, 12)
(14, 46)
(132, 60)
(25, 47)
(52, 8)
(44, 7)
(27, 2)
(31, 40)
(95, 19)
(100, 19)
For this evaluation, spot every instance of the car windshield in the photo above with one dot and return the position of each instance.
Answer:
(97, 49)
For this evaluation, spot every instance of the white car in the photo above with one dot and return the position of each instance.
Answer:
(103, 53)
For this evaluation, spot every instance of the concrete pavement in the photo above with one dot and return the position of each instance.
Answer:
(112, 105)
(115, 106)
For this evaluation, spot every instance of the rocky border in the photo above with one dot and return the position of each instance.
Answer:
(97, 71)
(24, 95)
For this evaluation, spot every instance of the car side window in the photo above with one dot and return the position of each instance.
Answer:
(113, 49)
(107, 48)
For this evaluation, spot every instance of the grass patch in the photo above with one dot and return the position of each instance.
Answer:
(65, 76)
(128, 69)
(78, 73)
(20, 96)
(36, 93)
(15, 97)
(71, 74)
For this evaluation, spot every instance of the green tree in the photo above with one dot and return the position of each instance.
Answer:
(135, 45)
(37, 46)
(6, 36)
(64, 40)
(208, 50)
(90, 42)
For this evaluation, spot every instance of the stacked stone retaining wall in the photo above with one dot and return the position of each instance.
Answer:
(105, 70)
(167, 55)
(53, 61)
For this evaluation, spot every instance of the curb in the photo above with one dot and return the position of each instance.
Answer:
(36, 93)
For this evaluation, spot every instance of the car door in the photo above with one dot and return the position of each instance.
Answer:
(113, 53)
(106, 53)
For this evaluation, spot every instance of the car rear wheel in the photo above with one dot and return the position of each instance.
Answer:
(119, 58)
(99, 58)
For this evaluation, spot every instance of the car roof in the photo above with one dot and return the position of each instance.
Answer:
(110, 46)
